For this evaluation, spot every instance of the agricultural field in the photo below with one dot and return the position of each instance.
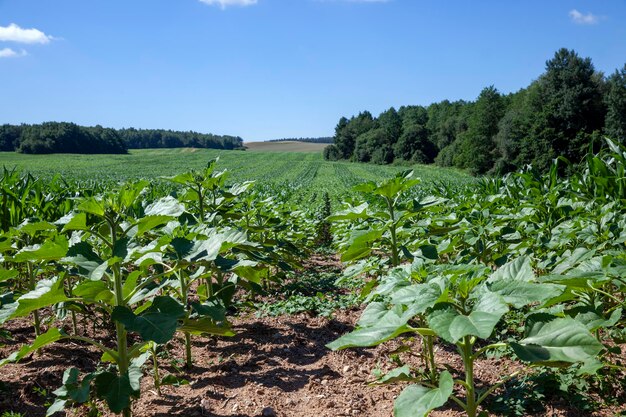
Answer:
(161, 284)
(285, 146)
(287, 171)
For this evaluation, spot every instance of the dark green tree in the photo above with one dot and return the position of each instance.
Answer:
(615, 99)
(391, 123)
(476, 146)
(414, 145)
(571, 107)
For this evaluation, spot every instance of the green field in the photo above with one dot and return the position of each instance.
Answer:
(285, 146)
(306, 171)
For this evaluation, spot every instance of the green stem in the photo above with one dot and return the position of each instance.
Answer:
(155, 367)
(92, 342)
(184, 289)
(74, 322)
(122, 340)
(188, 357)
(431, 358)
(468, 364)
(200, 203)
(31, 285)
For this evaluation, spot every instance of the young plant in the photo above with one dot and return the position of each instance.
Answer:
(107, 251)
(379, 222)
(462, 304)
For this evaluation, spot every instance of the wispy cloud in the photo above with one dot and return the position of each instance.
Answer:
(583, 19)
(10, 53)
(225, 3)
(14, 33)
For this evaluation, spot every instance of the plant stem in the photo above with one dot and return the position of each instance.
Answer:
(31, 285)
(430, 357)
(184, 290)
(74, 322)
(468, 363)
(155, 367)
(188, 358)
(122, 341)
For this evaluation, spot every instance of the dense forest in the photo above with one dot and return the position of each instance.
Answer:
(328, 139)
(565, 112)
(63, 137)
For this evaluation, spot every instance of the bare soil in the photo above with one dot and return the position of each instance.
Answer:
(273, 362)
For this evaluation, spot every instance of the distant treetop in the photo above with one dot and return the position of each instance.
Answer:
(63, 137)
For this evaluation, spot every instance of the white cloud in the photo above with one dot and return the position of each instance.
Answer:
(583, 19)
(10, 53)
(14, 33)
(225, 3)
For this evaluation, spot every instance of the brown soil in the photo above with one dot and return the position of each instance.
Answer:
(277, 362)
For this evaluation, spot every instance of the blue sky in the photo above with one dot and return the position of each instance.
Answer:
(279, 68)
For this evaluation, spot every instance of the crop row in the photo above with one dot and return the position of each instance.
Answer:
(452, 267)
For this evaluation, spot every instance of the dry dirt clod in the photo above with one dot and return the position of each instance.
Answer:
(205, 404)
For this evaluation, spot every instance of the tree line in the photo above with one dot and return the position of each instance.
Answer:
(64, 137)
(564, 112)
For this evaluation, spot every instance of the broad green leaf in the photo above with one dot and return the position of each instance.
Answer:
(46, 293)
(93, 291)
(593, 318)
(173, 380)
(418, 401)
(451, 326)
(205, 250)
(114, 389)
(252, 273)
(52, 335)
(428, 252)
(570, 259)
(72, 389)
(50, 250)
(560, 340)
(33, 228)
(372, 314)
(517, 270)
(440, 319)
(360, 244)
(206, 325)
(146, 224)
(166, 206)
(134, 370)
(82, 255)
(520, 293)
(6, 274)
(482, 320)
(74, 221)
(186, 178)
(91, 205)
(210, 308)
(418, 296)
(352, 213)
(57, 406)
(389, 326)
(130, 283)
(157, 323)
